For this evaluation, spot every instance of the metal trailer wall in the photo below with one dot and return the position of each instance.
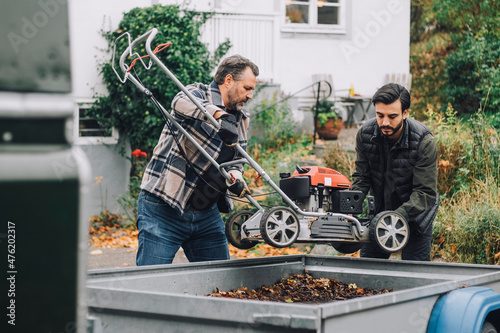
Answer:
(171, 297)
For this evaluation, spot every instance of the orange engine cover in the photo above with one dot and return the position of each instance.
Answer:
(326, 176)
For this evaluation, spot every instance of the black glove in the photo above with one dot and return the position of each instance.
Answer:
(237, 184)
(228, 130)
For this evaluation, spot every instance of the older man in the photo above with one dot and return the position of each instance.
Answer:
(182, 192)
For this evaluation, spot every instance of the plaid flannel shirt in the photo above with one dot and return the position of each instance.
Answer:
(168, 175)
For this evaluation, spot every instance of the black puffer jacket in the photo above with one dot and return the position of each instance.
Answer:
(403, 158)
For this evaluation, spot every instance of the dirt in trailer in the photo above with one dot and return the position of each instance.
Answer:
(301, 288)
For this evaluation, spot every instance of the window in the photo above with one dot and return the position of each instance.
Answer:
(89, 131)
(322, 16)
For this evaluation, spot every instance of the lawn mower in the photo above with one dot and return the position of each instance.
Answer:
(319, 205)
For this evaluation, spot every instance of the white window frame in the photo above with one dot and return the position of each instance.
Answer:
(90, 140)
(312, 26)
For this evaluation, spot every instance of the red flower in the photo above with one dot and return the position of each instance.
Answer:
(139, 153)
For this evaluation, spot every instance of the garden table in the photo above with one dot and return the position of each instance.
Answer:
(363, 102)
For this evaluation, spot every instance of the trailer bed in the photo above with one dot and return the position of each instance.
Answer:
(172, 297)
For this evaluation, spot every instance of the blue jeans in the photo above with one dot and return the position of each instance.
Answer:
(163, 230)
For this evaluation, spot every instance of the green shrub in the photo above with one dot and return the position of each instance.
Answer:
(472, 68)
(124, 107)
(467, 150)
(339, 159)
(276, 121)
(450, 134)
(473, 74)
(493, 119)
(454, 55)
(428, 68)
(460, 16)
(467, 228)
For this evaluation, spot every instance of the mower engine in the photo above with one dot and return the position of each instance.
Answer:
(319, 189)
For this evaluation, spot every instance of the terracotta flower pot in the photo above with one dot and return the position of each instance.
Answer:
(331, 130)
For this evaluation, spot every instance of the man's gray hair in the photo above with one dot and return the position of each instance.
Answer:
(234, 65)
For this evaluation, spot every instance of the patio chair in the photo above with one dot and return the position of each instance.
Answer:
(403, 79)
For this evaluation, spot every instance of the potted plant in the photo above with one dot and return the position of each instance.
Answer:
(328, 121)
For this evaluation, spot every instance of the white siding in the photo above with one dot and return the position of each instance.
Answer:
(250, 35)
(376, 41)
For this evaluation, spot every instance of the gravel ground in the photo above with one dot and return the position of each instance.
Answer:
(99, 258)
(347, 138)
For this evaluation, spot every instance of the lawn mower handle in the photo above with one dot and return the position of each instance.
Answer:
(153, 56)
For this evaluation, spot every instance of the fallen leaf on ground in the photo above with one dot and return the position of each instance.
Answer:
(94, 252)
(113, 237)
(262, 250)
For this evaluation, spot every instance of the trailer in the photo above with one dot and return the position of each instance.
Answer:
(428, 297)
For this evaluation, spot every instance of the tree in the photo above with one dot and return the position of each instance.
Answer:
(455, 54)
(473, 75)
(124, 107)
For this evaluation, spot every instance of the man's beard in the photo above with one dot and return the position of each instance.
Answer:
(394, 129)
(233, 102)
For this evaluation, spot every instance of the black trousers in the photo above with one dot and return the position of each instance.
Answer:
(418, 247)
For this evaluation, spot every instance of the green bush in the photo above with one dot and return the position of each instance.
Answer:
(428, 68)
(341, 160)
(472, 68)
(467, 226)
(460, 16)
(473, 74)
(275, 120)
(124, 107)
(468, 150)
(455, 53)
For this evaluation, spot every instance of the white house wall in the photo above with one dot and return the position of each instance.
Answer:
(376, 41)
(87, 19)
